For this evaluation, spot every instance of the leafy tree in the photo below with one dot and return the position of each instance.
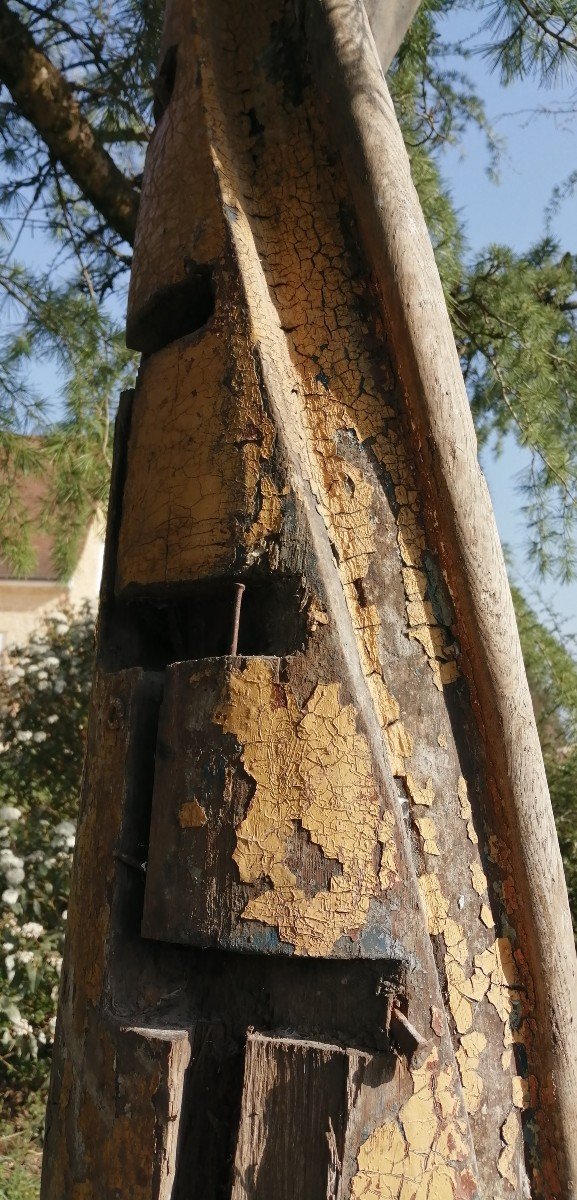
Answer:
(552, 673)
(514, 315)
(44, 690)
(74, 121)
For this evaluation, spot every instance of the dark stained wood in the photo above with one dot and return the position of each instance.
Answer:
(294, 1119)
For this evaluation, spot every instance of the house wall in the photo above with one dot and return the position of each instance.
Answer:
(24, 603)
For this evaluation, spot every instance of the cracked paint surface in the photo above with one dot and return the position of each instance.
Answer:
(422, 1154)
(309, 765)
(195, 486)
(344, 410)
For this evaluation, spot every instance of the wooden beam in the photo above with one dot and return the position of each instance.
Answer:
(460, 512)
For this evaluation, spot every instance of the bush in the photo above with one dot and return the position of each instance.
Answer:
(44, 690)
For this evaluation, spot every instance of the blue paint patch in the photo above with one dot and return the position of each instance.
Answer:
(258, 939)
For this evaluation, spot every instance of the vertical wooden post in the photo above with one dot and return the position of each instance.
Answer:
(338, 974)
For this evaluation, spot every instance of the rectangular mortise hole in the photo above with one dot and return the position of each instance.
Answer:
(152, 632)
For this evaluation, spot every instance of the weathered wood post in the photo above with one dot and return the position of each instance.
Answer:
(346, 969)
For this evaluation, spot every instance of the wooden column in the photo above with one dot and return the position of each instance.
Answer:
(308, 933)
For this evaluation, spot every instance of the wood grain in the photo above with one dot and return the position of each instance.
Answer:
(460, 512)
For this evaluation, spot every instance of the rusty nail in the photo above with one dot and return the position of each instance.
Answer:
(238, 592)
(129, 861)
(408, 1039)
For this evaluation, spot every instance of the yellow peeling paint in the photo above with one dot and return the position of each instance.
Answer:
(468, 1057)
(423, 1154)
(520, 1091)
(436, 906)
(198, 440)
(310, 766)
(487, 916)
(466, 810)
(386, 835)
(498, 965)
(400, 746)
(191, 815)
(269, 516)
(478, 878)
(428, 832)
(420, 795)
(316, 616)
(507, 1157)
(495, 973)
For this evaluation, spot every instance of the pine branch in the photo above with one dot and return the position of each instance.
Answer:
(44, 97)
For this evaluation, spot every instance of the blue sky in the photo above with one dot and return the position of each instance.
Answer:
(540, 152)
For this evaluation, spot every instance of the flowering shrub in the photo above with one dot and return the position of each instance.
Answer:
(44, 690)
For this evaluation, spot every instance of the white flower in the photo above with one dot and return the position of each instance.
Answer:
(64, 834)
(43, 675)
(40, 736)
(9, 859)
(54, 960)
(51, 661)
(14, 876)
(52, 719)
(59, 686)
(10, 896)
(9, 967)
(9, 813)
(24, 735)
(43, 686)
(20, 1026)
(32, 929)
(24, 956)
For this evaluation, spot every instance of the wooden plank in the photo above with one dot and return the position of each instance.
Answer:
(390, 21)
(267, 826)
(293, 1120)
(193, 465)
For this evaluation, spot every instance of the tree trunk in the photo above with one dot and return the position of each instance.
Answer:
(319, 943)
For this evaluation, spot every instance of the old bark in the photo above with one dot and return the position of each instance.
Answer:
(330, 812)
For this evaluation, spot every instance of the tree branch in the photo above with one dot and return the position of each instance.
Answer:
(45, 98)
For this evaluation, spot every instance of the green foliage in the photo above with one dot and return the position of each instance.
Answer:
(514, 315)
(552, 673)
(21, 1151)
(514, 320)
(58, 316)
(62, 326)
(107, 55)
(43, 702)
(529, 37)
